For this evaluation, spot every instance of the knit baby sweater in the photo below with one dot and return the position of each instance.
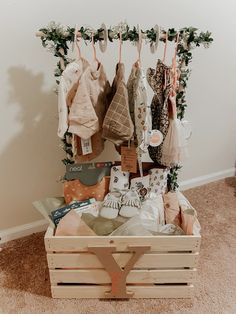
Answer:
(118, 126)
(90, 102)
(68, 81)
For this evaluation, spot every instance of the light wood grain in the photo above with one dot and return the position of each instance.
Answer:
(172, 291)
(100, 276)
(157, 243)
(49, 233)
(87, 260)
(163, 264)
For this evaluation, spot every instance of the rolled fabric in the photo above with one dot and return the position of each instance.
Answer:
(172, 210)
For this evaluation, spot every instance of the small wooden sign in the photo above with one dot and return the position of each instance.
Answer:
(129, 159)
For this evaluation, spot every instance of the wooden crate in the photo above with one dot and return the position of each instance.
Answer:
(78, 269)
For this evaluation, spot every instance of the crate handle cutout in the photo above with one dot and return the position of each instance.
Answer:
(118, 275)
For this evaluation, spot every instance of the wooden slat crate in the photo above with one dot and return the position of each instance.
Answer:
(165, 266)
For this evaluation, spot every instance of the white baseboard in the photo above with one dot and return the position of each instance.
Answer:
(192, 183)
(41, 225)
(23, 230)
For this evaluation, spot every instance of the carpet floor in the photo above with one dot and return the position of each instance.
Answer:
(25, 285)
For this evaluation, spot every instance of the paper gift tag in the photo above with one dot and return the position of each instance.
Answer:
(156, 138)
(129, 159)
(86, 146)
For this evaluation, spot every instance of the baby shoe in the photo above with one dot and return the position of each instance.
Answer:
(119, 179)
(130, 204)
(111, 205)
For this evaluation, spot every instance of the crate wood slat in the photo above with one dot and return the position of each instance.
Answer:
(100, 276)
(166, 270)
(173, 291)
(49, 233)
(87, 260)
(161, 243)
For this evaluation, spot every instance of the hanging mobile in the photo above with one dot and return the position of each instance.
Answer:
(154, 45)
(103, 41)
(139, 45)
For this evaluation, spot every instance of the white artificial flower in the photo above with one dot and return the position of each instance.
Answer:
(144, 36)
(52, 25)
(206, 44)
(51, 48)
(120, 28)
(66, 33)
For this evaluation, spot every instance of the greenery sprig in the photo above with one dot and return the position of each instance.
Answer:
(56, 38)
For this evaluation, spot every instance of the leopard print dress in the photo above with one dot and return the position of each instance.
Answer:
(159, 81)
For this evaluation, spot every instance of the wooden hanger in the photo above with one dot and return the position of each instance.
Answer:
(120, 46)
(95, 59)
(139, 47)
(75, 42)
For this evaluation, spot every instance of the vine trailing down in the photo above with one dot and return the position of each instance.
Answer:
(56, 38)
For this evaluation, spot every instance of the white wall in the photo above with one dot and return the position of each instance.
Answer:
(29, 153)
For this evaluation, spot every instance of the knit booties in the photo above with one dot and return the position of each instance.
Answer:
(111, 205)
(130, 204)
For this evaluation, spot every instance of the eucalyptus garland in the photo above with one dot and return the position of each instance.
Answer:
(56, 38)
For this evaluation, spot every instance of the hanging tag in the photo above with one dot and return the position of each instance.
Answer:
(129, 159)
(156, 138)
(86, 146)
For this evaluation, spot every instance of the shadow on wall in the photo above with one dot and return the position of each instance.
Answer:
(31, 161)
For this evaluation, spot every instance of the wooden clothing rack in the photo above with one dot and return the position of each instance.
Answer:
(147, 266)
(56, 38)
(125, 32)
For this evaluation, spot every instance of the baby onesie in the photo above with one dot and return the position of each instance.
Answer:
(98, 89)
(159, 80)
(68, 82)
(82, 117)
(118, 126)
(140, 110)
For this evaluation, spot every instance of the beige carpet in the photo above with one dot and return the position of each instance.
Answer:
(25, 287)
